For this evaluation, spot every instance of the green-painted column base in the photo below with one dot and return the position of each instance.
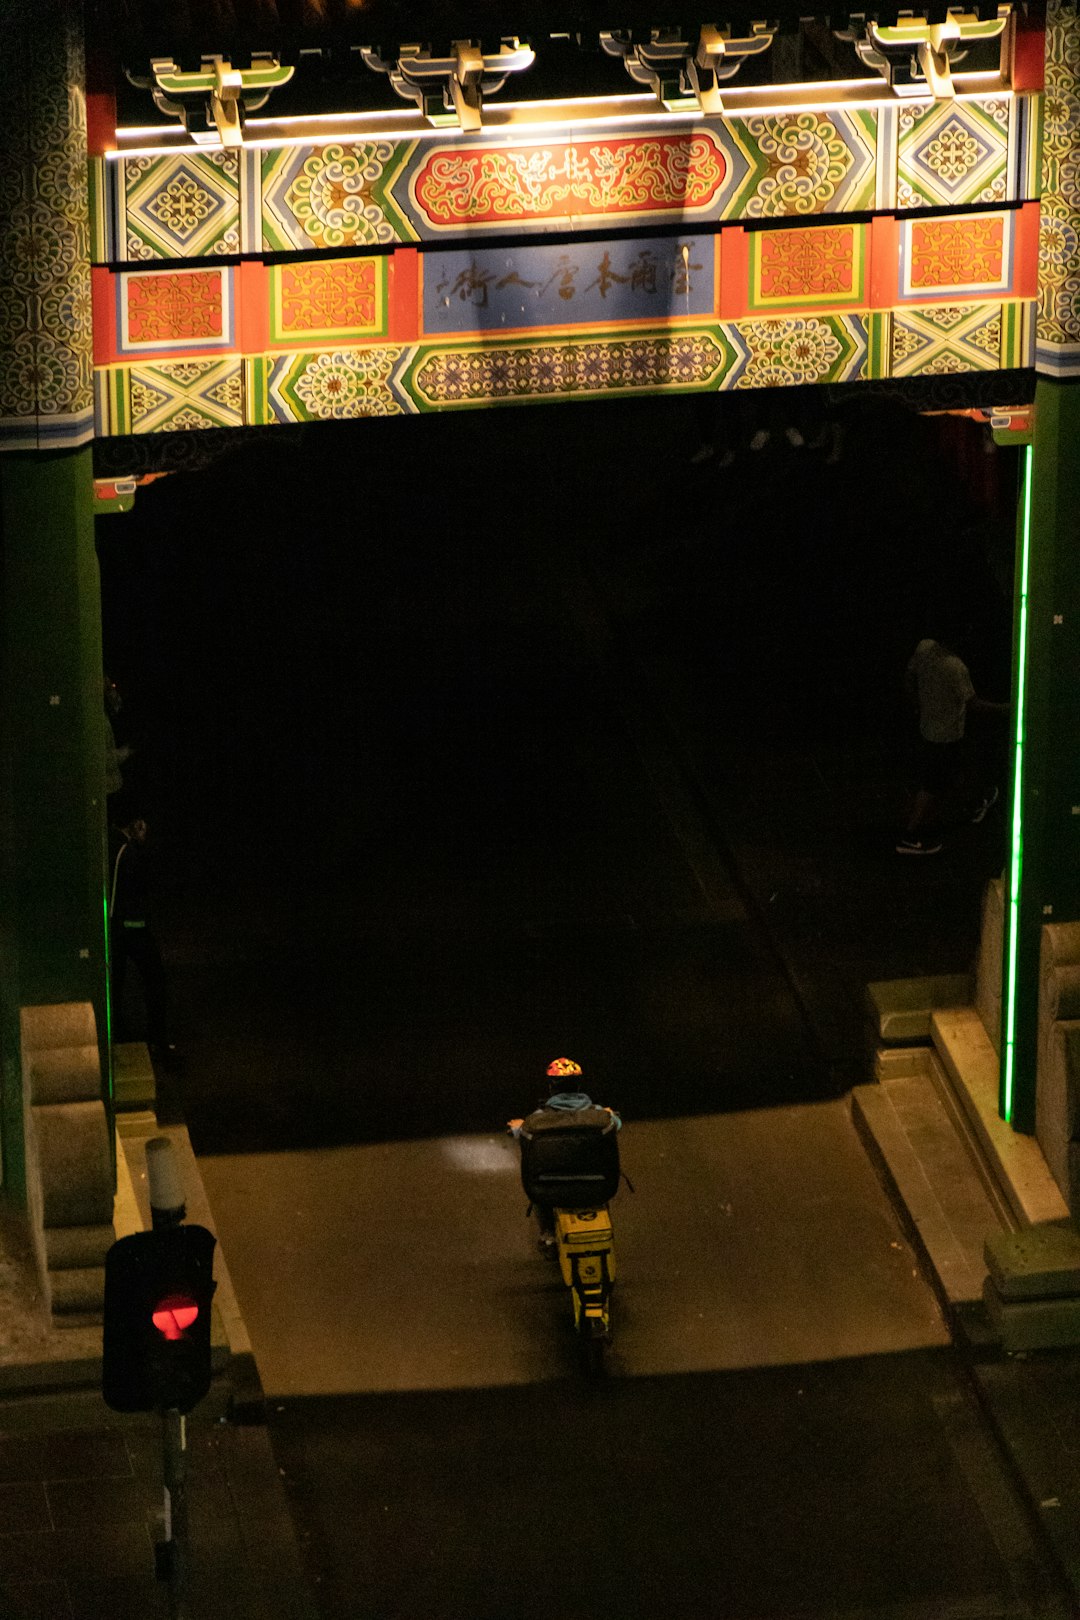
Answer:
(1043, 865)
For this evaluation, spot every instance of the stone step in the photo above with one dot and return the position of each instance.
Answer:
(67, 1247)
(134, 1081)
(970, 1064)
(900, 1009)
(926, 1167)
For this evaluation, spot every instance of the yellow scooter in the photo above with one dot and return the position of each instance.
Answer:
(570, 1165)
(587, 1262)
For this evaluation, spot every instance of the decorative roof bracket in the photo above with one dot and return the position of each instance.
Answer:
(683, 71)
(212, 101)
(916, 57)
(451, 89)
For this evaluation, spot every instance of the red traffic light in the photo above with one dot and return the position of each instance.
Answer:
(156, 1351)
(174, 1315)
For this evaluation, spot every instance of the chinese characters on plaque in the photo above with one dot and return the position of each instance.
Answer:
(505, 289)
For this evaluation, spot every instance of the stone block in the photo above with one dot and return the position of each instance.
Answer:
(1040, 1262)
(1059, 988)
(988, 960)
(1061, 943)
(1032, 1324)
(69, 1246)
(896, 1062)
(901, 1008)
(74, 1164)
(64, 1074)
(80, 1290)
(1057, 1103)
(1063, 992)
(62, 1023)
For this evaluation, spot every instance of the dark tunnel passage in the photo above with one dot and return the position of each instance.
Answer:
(387, 685)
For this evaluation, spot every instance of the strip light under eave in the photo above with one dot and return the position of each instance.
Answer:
(515, 119)
(1016, 820)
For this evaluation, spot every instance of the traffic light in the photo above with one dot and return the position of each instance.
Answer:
(158, 1289)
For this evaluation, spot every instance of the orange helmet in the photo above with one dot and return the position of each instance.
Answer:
(563, 1068)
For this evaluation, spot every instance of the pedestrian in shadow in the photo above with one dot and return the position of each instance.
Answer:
(131, 934)
(949, 770)
(116, 754)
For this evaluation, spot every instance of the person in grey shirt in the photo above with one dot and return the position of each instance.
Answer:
(939, 683)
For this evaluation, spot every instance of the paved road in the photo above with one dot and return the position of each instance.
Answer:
(412, 848)
(845, 1490)
(751, 1239)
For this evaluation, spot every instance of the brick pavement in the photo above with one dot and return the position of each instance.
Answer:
(80, 1510)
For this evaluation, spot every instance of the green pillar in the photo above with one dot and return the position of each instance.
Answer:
(52, 945)
(1043, 866)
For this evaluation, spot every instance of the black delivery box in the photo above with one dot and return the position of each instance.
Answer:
(570, 1159)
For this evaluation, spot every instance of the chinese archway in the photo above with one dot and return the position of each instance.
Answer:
(881, 198)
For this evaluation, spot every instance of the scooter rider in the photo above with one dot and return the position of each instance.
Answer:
(561, 1074)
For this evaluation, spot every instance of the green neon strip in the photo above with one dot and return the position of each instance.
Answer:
(1016, 842)
(108, 968)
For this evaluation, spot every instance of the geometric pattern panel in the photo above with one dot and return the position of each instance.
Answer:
(332, 197)
(46, 358)
(969, 251)
(312, 299)
(1059, 238)
(589, 283)
(181, 206)
(953, 153)
(799, 350)
(165, 310)
(932, 340)
(175, 395)
(333, 386)
(449, 375)
(808, 266)
(805, 163)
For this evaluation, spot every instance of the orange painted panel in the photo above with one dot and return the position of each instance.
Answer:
(185, 306)
(312, 299)
(811, 265)
(956, 252)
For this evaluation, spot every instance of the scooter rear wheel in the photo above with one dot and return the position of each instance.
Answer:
(592, 1339)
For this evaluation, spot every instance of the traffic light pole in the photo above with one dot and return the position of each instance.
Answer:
(174, 1560)
(167, 1209)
